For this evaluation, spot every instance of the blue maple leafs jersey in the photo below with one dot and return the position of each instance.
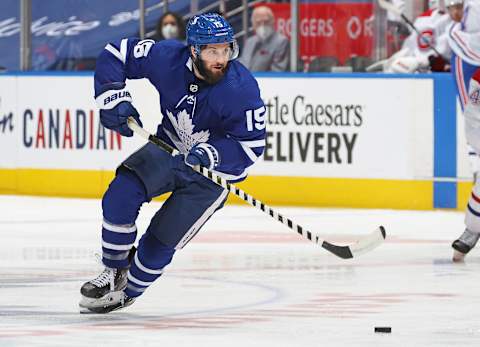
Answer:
(229, 115)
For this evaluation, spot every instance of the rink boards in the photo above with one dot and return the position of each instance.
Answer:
(349, 140)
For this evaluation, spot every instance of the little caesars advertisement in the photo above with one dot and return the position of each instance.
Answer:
(340, 127)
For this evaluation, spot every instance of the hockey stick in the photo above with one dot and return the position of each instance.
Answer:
(388, 6)
(363, 245)
(377, 65)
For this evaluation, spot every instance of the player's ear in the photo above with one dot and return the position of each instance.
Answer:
(192, 52)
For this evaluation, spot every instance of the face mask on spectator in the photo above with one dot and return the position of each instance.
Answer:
(170, 31)
(264, 32)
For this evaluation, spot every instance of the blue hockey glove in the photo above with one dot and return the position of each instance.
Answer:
(204, 155)
(116, 118)
(115, 103)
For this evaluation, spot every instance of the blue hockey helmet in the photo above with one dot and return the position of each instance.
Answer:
(208, 29)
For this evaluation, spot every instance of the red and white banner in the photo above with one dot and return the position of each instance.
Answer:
(340, 30)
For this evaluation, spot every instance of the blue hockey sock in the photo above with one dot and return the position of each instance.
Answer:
(150, 259)
(121, 204)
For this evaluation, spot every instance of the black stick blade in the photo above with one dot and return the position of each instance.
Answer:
(340, 251)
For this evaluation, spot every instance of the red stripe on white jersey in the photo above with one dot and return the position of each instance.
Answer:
(466, 48)
(476, 198)
(460, 81)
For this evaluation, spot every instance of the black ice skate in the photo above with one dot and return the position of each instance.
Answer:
(105, 290)
(464, 244)
(110, 280)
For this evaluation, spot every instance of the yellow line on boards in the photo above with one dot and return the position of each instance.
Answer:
(272, 190)
(464, 189)
(341, 192)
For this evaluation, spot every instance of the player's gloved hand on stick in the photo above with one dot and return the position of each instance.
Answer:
(115, 103)
(204, 155)
(438, 64)
(116, 118)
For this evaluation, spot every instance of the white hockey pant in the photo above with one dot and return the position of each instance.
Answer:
(472, 125)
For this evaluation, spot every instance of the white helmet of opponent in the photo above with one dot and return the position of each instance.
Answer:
(437, 5)
(453, 2)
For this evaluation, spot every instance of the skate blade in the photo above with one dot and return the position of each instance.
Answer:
(458, 257)
(83, 310)
(87, 303)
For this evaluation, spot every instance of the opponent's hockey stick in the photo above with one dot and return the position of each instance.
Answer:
(363, 245)
(388, 6)
(378, 65)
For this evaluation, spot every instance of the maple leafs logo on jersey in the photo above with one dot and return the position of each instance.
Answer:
(184, 128)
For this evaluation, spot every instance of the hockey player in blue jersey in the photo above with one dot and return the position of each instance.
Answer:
(212, 113)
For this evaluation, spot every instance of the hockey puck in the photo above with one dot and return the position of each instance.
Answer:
(383, 329)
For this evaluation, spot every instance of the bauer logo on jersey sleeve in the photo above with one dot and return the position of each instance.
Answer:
(111, 98)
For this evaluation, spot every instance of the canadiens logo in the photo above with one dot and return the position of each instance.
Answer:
(475, 97)
(426, 39)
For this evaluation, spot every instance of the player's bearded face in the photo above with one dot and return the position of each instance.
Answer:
(214, 61)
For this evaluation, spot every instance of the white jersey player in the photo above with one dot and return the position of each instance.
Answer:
(464, 31)
(471, 235)
(417, 53)
(464, 39)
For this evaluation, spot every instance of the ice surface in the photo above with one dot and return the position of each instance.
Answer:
(245, 280)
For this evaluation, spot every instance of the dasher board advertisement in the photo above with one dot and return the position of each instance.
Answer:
(341, 127)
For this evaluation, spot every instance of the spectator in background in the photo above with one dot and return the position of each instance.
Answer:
(170, 26)
(267, 50)
(397, 30)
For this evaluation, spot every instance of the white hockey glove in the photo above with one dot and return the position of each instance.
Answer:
(408, 64)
